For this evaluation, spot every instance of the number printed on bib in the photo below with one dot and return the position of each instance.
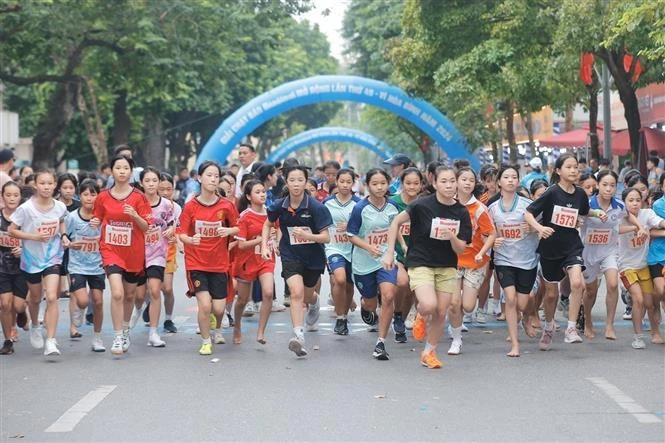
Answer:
(511, 231)
(296, 241)
(405, 229)
(338, 236)
(598, 236)
(153, 235)
(441, 227)
(118, 235)
(50, 227)
(7, 241)
(638, 242)
(378, 237)
(89, 244)
(564, 217)
(207, 229)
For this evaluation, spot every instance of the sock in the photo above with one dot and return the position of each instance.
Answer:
(153, 331)
(118, 333)
(218, 331)
(206, 341)
(98, 334)
(125, 325)
(344, 317)
(168, 317)
(380, 340)
(549, 325)
(457, 333)
(340, 317)
(428, 348)
(571, 324)
(300, 332)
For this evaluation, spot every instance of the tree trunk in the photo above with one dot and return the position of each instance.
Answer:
(568, 119)
(92, 121)
(321, 153)
(122, 125)
(528, 124)
(510, 131)
(50, 128)
(593, 121)
(154, 151)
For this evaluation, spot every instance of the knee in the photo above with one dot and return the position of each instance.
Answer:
(426, 307)
(577, 285)
(117, 295)
(6, 304)
(339, 280)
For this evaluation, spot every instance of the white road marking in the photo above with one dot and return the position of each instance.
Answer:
(640, 413)
(180, 320)
(68, 421)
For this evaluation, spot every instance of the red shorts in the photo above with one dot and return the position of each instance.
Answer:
(251, 271)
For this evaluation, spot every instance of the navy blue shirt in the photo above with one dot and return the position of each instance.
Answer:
(310, 214)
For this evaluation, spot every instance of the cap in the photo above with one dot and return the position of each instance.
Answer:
(536, 163)
(6, 155)
(398, 159)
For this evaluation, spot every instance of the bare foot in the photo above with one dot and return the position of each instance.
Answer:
(508, 339)
(514, 352)
(610, 333)
(588, 332)
(657, 339)
(237, 337)
(535, 323)
(528, 328)
(261, 340)
(501, 317)
(353, 306)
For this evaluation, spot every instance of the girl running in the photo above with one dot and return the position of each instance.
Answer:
(304, 224)
(123, 215)
(166, 191)
(66, 190)
(206, 224)
(515, 255)
(85, 262)
(13, 286)
(39, 222)
(472, 263)
(368, 232)
(340, 250)
(440, 230)
(656, 261)
(249, 266)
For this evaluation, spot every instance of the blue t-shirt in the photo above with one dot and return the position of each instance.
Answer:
(531, 176)
(87, 260)
(657, 246)
(371, 224)
(395, 186)
(310, 215)
(339, 241)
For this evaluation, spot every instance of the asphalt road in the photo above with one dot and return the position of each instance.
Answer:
(598, 390)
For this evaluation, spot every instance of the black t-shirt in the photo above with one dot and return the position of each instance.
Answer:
(9, 263)
(425, 250)
(73, 206)
(560, 211)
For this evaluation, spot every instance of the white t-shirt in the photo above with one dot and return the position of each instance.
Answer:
(633, 250)
(601, 238)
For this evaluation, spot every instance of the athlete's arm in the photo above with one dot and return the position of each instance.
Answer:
(393, 232)
(543, 231)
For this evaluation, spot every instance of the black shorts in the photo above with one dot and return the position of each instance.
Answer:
(36, 278)
(656, 271)
(310, 277)
(130, 277)
(79, 281)
(153, 271)
(555, 270)
(65, 263)
(522, 279)
(213, 282)
(14, 283)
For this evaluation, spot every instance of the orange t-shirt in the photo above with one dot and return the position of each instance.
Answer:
(482, 226)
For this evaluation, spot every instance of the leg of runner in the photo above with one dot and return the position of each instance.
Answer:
(266, 280)
(297, 294)
(388, 291)
(575, 300)
(36, 331)
(204, 302)
(117, 310)
(403, 294)
(51, 284)
(7, 316)
(154, 286)
(589, 300)
(169, 303)
(78, 302)
(98, 318)
(244, 289)
(549, 306)
(638, 314)
(340, 300)
(611, 299)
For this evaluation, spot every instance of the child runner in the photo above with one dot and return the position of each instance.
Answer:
(39, 222)
(85, 262)
(206, 224)
(304, 224)
(13, 286)
(440, 230)
(340, 250)
(123, 215)
(65, 191)
(656, 260)
(368, 232)
(249, 266)
(166, 191)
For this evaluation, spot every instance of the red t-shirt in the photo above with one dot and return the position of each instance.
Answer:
(250, 224)
(212, 255)
(122, 243)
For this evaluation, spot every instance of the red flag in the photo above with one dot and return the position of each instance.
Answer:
(586, 68)
(627, 62)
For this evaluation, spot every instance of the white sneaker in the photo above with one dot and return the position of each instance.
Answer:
(468, 318)
(455, 347)
(125, 340)
(77, 317)
(410, 318)
(116, 348)
(198, 330)
(572, 336)
(277, 307)
(136, 315)
(297, 346)
(638, 342)
(156, 341)
(97, 344)
(36, 337)
(312, 317)
(250, 309)
(464, 328)
(480, 317)
(218, 338)
(225, 321)
(51, 347)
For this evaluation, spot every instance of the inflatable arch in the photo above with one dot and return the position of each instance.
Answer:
(325, 88)
(331, 133)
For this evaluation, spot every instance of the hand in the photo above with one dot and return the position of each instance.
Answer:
(388, 261)
(265, 252)
(75, 245)
(498, 242)
(641, 231)
(526, 228)
(478, 258)
(374, 250)
(580, 222)
(94, 222)
(545, 232)
(602, 216)
(16, 251)
(224, 232)
(196, 239)
(42, 236)
(170, 234)
(301, 234)
(66, 243)
(129, 210)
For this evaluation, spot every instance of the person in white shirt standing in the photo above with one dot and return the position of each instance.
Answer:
(247, 158)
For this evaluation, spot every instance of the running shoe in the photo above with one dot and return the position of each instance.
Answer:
(430, 360)
(7, 348)
(410, 319)
(465, 328)
(156, 341)
(480, 317)
(638, 342)
(419, 328)
(146, 313)
(572, 336)
(22, 321)
(225, 321)
(297, 346)
(77, 317)
(455, 347)
(250, 309)
(287, 300)
(169, 326)
(312, 317)
(231, 321)
(369, 318)
(97, 344)
(467, 318)
(628, 314)
(125, 340)
(277, 307)
(116, 347)
(89, 317)
(205, 349)
(51, 348)
(218, 338)
(136, 314)
(341, 327)
(36, 337)
(400, 329)
(546, 339)
(380, 352)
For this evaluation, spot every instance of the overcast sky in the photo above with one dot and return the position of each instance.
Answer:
(330, 25)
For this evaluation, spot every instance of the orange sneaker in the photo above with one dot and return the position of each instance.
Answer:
(430, 360)
(419, 328)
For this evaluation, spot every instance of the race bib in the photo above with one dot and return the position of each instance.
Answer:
(257, 248)
(89, 244)
(511, 231)
(294, 241)
(564, 217)
(338, 236)
(598, 236)
(118, 235)
(207, 229)
(48, 227)
(405, 229)
(378, 237)
(153, 235)
(440, 229)
(638, 242)
(7, 241)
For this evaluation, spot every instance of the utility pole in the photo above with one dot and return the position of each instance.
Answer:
(607, 112)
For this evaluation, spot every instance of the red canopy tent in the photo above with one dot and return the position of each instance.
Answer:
(576, 138)
(654, 139)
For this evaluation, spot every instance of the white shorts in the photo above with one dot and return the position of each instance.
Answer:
(472, 278)
(593, 271)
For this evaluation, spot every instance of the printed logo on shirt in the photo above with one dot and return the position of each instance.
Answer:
(197, 283)
(220, 215)
(570, 205)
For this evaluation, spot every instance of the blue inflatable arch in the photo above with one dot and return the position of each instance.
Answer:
(326, 88)
(330, 133)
